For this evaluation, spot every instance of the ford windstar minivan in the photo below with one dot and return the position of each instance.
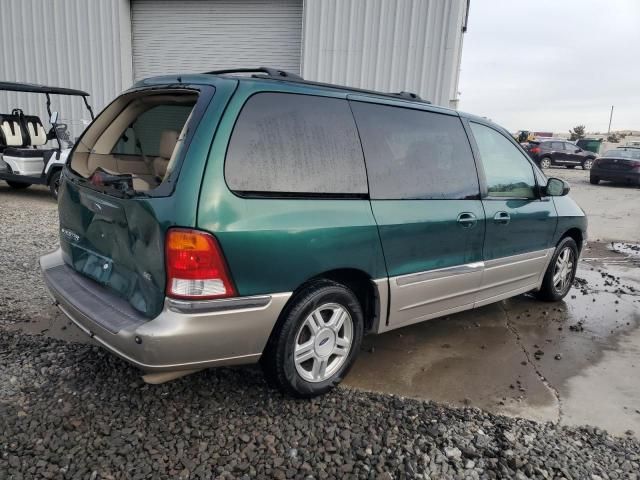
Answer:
(246, 216)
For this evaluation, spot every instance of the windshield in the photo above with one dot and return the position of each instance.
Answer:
(70, 129)
(620, 153)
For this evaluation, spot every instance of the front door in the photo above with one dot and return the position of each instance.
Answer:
(520, 225)
(425, 198)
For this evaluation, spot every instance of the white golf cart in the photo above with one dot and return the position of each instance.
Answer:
(24, 158)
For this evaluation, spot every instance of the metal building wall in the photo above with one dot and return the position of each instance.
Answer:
(388, 45)
(172, 36)
(68, 43)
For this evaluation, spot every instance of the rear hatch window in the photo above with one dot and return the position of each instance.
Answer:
(134, 144)
(113, 207)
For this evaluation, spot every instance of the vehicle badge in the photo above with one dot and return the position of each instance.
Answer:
(70, 234)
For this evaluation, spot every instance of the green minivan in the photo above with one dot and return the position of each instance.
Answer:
(245, 216)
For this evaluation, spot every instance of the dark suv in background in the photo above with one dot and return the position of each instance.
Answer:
(559, 152)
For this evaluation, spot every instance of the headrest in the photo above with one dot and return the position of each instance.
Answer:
(168, 140)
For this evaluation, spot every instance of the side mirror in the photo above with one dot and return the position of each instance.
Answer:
(556, 187)
(54, 118)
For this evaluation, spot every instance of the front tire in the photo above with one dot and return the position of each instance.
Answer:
(316, 340)
(18, 185)
(561, 271)
(587, 164)
(594, 180)
(545, 163)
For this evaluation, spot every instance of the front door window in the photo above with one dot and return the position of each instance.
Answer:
(507, 171)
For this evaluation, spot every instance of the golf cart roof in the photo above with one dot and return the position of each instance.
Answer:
(35, 88)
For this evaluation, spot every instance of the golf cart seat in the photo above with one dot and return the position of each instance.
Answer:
(11, 132)
(35, 130)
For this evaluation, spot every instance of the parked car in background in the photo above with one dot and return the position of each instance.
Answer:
(618, 165)
(554, 152)
(292, 218)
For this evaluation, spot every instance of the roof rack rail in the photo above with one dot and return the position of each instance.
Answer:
(270, 72)
(409, 95)
(276, 74)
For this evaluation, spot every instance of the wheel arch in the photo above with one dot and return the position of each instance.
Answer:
(356, 280)
(577, 236)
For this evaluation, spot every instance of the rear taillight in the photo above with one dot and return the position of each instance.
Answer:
(196, 268)
(535, 150)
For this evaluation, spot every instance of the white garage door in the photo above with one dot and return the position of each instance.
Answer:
(171, 36)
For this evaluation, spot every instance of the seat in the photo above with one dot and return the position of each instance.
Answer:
(11, 131)
(168, 141)
(35, 130)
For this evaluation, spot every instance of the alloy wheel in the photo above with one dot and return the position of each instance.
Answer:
(545, 163)
(563, 270)
(587, 164)
(323, 342)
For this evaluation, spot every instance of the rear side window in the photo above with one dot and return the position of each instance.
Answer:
(295, 144)
(414, 154)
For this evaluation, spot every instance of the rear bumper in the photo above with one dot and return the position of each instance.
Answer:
(185, 336)
(627, 176)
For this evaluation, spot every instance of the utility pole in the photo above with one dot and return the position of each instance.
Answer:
(610, 118)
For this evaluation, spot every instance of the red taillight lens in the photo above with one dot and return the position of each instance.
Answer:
(535, 150)
(196, 268)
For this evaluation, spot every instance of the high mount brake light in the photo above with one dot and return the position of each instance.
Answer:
(196, 268)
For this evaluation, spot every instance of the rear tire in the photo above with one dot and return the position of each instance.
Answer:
(545, 163)
(54, 183)
(594, 180)
(316, 340)
(587, 164)
(561, 271)
(18, 185)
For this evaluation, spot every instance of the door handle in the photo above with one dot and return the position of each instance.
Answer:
(502, 218)
(467, 220)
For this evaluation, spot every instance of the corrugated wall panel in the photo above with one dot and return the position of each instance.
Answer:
(65, 43)
(411, 45)
(198, 35)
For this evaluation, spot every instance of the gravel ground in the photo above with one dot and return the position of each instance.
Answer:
(29, 226)
(74, 411)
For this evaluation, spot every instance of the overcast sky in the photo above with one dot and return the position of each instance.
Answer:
(552, 64)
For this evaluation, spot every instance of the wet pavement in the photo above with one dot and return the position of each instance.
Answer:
(575, 362)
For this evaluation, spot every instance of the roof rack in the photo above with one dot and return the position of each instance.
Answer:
(275, 74)
(270, 72)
